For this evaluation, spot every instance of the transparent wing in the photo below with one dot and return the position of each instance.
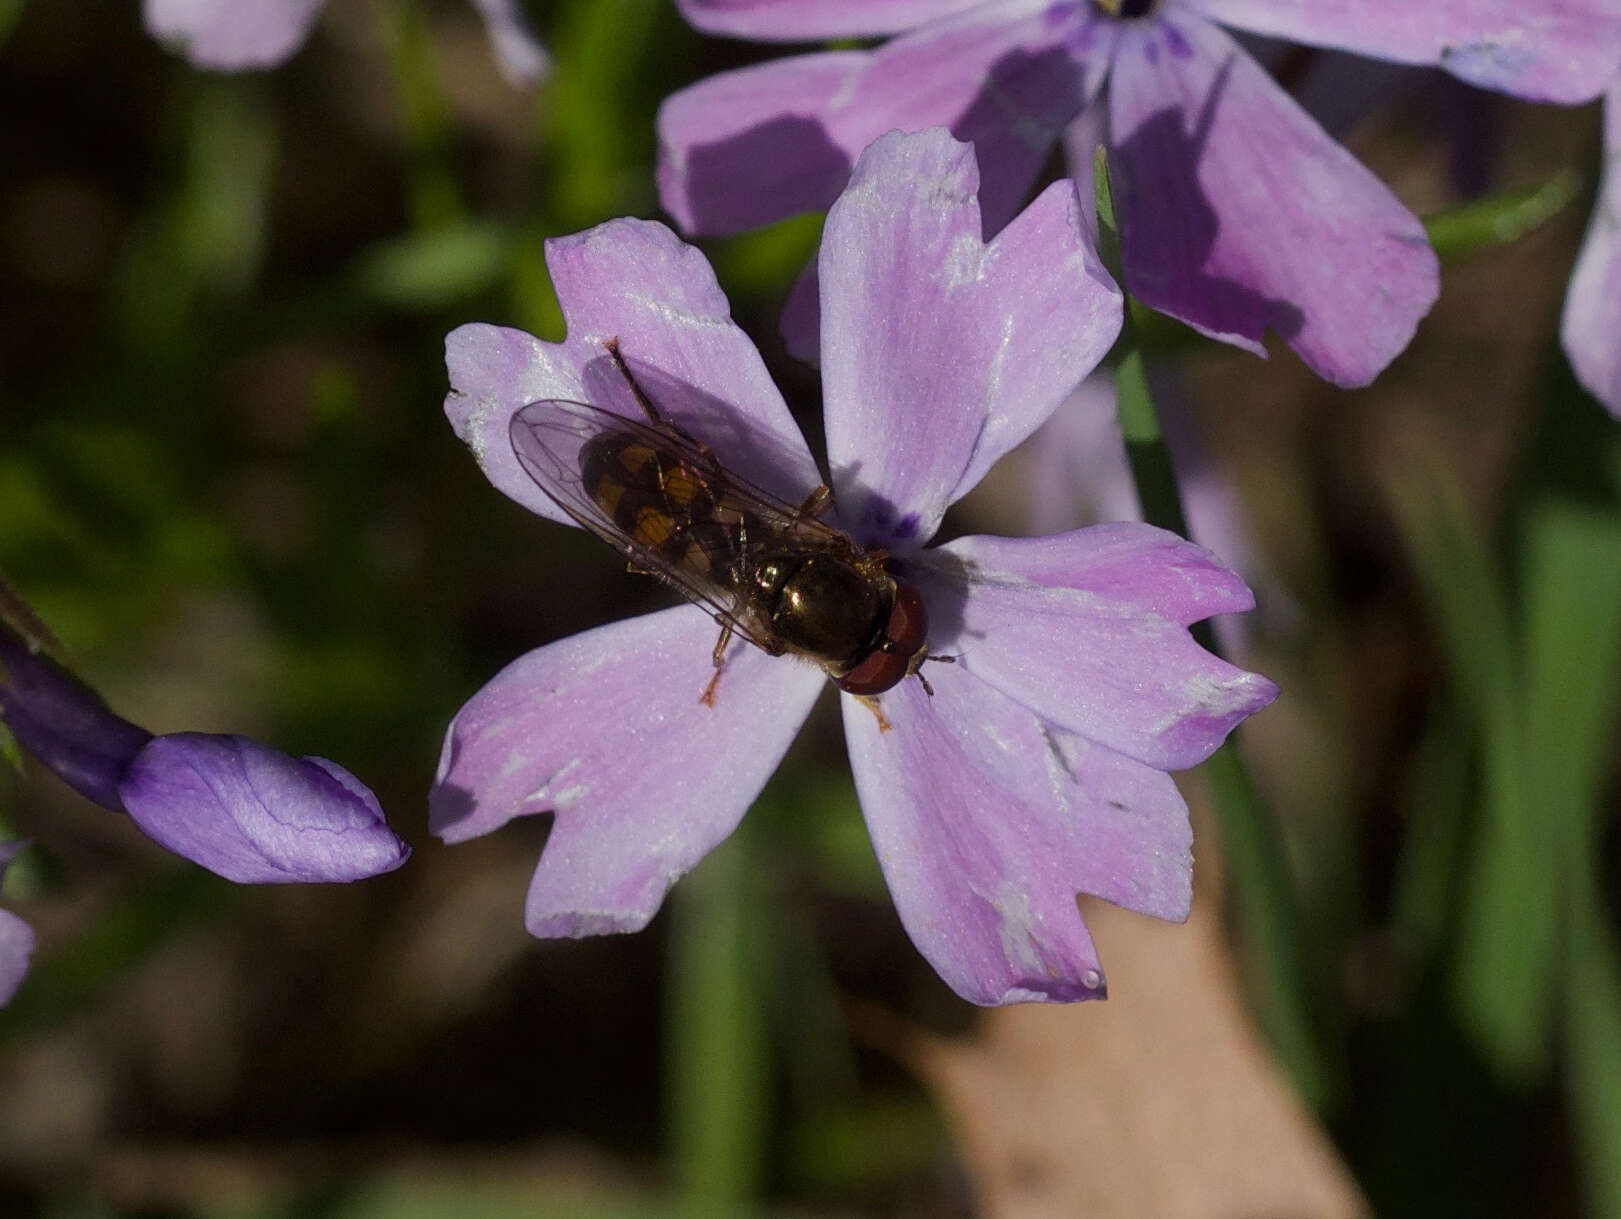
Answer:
(722, 525)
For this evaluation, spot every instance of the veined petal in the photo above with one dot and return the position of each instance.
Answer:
(607, 730)
(1545, 50)
(1239, 213)
(16, 936)
(638, 282)
(797, 21)
(229, 35)
(1592, 317)
(762, 143)
(939, 352)
(1109, 669)
(987, 823)
(522, 58)
(255, 815)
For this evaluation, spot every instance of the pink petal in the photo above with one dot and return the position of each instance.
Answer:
(1086, 631)
(606, 729)
(1239, 214)
(1546, 50)
(1006, 76)
(523, 60)
(16, 936)
(16, 947)
(1592, 319)
(940, 353)
(753, 146)
(229, 35)
(634, 280)
(797, 21)
(1128, 562)
(987, 823)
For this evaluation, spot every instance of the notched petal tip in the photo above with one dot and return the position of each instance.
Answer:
(257, 816)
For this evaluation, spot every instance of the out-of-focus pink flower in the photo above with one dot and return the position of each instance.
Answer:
(235, 35)
(16, 936)
(1239, 214)
(1591, 328)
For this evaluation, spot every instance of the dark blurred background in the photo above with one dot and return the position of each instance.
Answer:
(227, 484)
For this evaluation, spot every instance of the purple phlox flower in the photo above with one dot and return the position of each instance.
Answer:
(237, 807)
(1592, 318)
(1238, 213)
(1038, 768)
(16, 936)
(234, 35)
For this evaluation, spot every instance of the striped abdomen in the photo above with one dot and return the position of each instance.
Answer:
(660, 502)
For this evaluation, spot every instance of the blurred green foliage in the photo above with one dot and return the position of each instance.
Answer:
(227, 485)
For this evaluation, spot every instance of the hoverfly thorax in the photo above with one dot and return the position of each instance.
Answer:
(775, 573)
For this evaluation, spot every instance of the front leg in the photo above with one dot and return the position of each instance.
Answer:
(707, 698)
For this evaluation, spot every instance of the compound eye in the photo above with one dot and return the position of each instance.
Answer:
(880, 671)
(901, 651)
(908, 629)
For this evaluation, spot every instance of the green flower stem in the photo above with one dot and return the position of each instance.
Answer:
(435, 199)
(1252, 846)
(719, 1063)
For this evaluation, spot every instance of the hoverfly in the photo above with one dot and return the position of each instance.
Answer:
(772, 572)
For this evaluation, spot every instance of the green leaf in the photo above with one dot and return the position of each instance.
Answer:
(1504, 978)
(1593, 1037)
(1500, 219)
(435, 268)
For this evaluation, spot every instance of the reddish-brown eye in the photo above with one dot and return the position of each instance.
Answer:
(908, 629)
(897, 657)
(879, 672)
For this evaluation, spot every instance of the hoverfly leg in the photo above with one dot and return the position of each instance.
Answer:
(650, 408)
(642, 400)
(816, 504)
(870, 702)
(707, 698)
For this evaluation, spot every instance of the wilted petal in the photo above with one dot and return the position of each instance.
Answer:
(1592, 319)
(522, 58)
(255, 815)
(987, 823)
(757, 145)
(797, 21)
(1238, 213)
(64, 723)
(1546, 50)
(228, 35)
(1106, 656)
(16, 936)
(638, 282)
(606, 728)
(940, 353)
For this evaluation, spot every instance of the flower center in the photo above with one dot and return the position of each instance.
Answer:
(1126, 8)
